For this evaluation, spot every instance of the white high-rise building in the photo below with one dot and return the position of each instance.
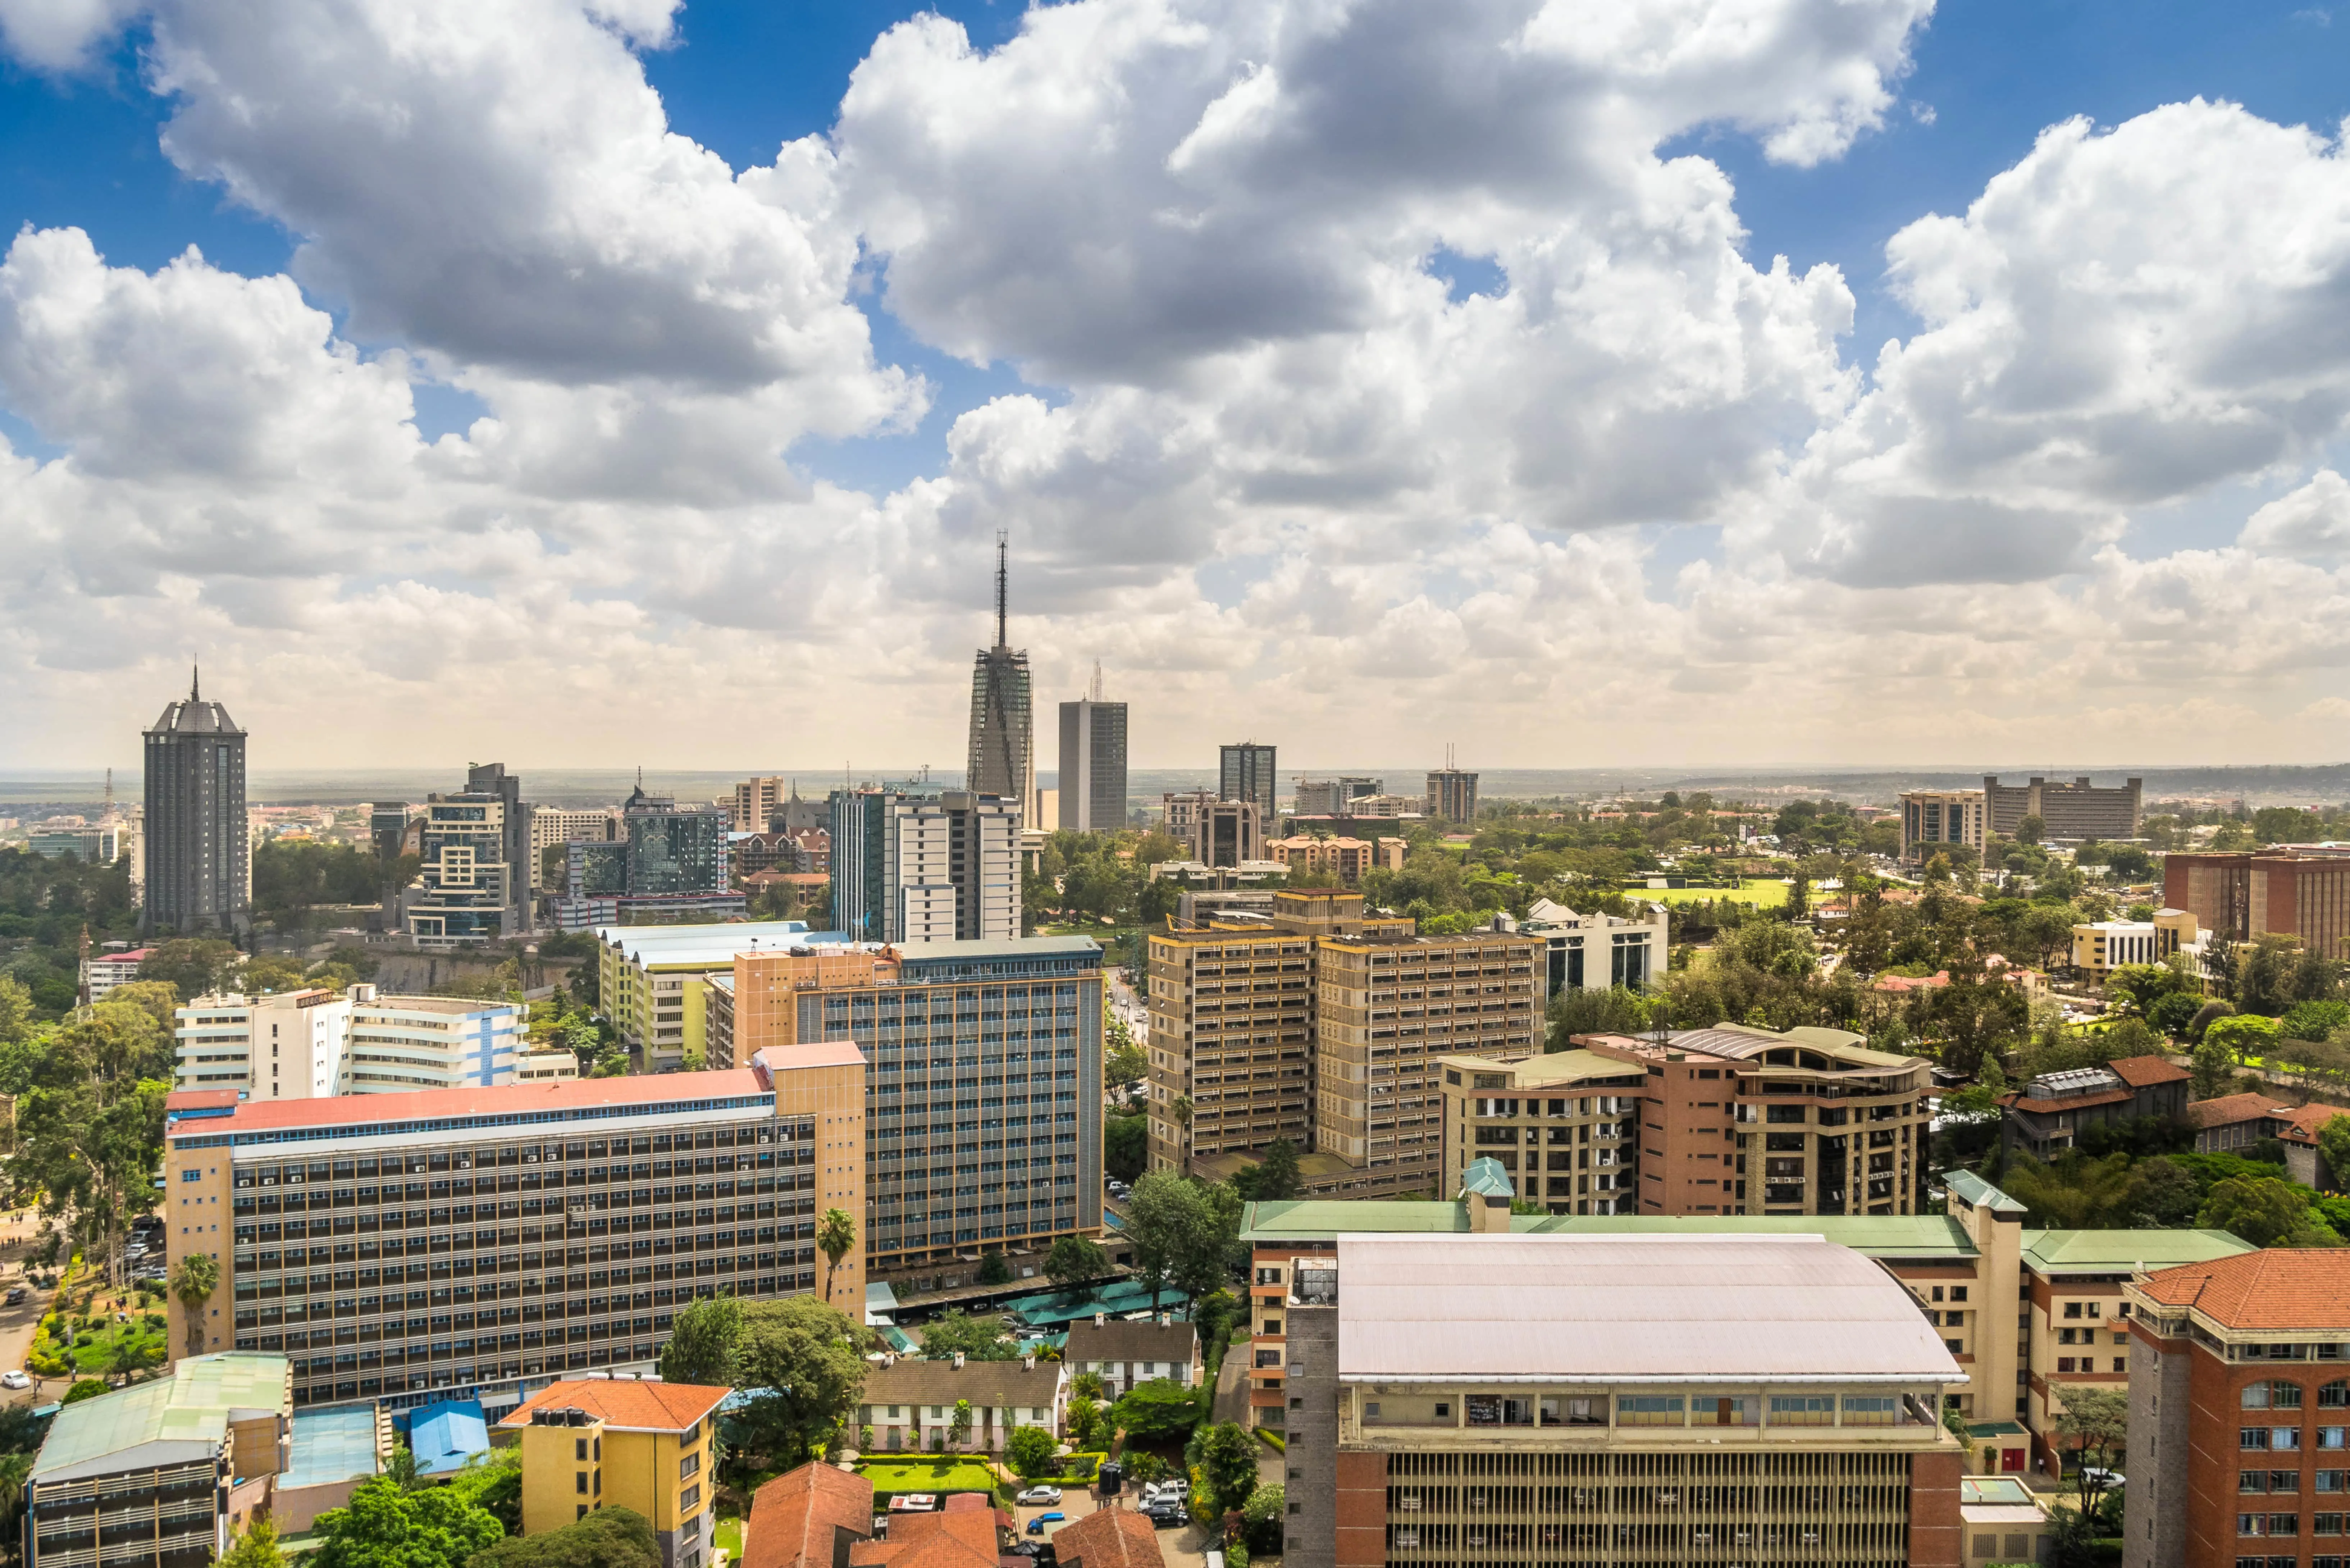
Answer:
(951, 868)
(314, 1044)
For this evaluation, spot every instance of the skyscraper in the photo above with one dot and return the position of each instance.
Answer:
(1093, 763)
(1002, 741)
(199, 860)
(930, 866)
(1247, 774)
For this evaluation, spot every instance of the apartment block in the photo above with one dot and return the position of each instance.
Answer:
(304, 1044)
(2237, 897)
(1935, 819)
(473, 1244)
(2029, 1315)
(951, 869)
(2071, 809)
(1738, 1119)
(601, 1442)
(1333, 797)
(1575, 1398)
(982, 1087)
(2053, 1110)
(1230, 1041)
(2240, 1413)
(1452, 796)
(1566, 1126)
(1344, 859)
(653, 979)
(103, 970)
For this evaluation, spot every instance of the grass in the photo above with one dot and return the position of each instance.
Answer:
(950, 1472)
(729, 1536)
(100, 1351)
(1761, 892)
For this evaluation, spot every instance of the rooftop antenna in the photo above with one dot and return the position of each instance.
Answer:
(1096, 694)
(195, 684)
(1000, 580)
(109, 816)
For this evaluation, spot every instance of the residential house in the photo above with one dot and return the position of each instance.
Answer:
(2304, 1161)
(1109, 1538)
(596, 1442)
(2052, 1112)
(812, 1517)
(2237, 1121)
(910, 1403)
(1123, 1353)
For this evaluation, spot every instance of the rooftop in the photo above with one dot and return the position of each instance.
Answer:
(1553, 1067)
(686, 946)
(1109, 1538)
(644, 1405)
(998, 1385)
(1118, 1340)
(1626, 1309)
(444, 1437)
(2276, 1289)
(2229, 1109)
(193, 1406)
(1975, 1192)
(332, 1443)
(1872, 1235)
(795, 1518)
(441, 1104)
(2124, 1252)
(2144, 1072)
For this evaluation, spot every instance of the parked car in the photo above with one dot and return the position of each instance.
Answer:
(16, 1294)
(1040, 1494)
(1036, 1525)
(2110, 1479)
(15, 1380)
(1164, 1512)
(1175, 1486)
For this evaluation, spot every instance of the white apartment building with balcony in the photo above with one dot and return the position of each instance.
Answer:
(313, 1044)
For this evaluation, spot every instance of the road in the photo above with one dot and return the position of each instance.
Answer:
(18, 1323)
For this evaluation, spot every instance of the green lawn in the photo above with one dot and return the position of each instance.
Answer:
(1759, 891)
(729, 1536)
(98, 1350)
(954, 1473)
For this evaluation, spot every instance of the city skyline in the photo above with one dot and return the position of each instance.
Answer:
(1519, 422)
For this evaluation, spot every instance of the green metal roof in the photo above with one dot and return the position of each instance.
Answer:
(1871, 1235)
(2124, 1252)
(1324, 1219)
(194, 1405)
(1486, 1178)
(1982, 1194)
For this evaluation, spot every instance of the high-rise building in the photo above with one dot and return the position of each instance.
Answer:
(936, 865)
(464, 1243)
(306, 1045)
(199, 854)
(470, 890)
(1219, 832)
(1245, 771)
(1932, 819)
(1452, 795)
(983, 1132)
(652, 981)
(517, 848)
(1003, 760)
(1093, 763)
(1333, 797)
(774, 805)
(2076, 809)
(2240, 896)
(660, 863)
(388, 829)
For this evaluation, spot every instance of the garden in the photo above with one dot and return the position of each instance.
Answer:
(937, 1475)
(98, 1332)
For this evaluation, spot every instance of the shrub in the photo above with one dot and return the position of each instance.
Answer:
(88, 1388)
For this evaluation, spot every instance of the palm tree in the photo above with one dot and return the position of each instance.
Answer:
(193, 1282)
(836, 1233)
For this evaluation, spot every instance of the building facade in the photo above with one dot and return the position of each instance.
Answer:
(1344, 859)
(472, 1243)
(2053, 1111)
(1599, 952)
(1333, 797)
(773, 805)
(1936, 819)
(910, 1403)
(92, 846)
(1093, 766)
(2240, 1404)
(2073, 809)
(982, 1129)
(199, 856)
(652, 981)
(1001, 759)
(951, 869)
(1507, 1417)
(468, 892)
(599, 1442)
(1565, 1126)
(2238, 898)
(1452, 796)
(1219, 832)
(1247, 771)
(2100, 947)
(292, 1045)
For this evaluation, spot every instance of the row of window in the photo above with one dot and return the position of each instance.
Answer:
(2290, 1480)
(2287, 1439)
(2279, 1394)
(2281, 1524)
(1668, 1410)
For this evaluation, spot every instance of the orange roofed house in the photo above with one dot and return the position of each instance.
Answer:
(2240, 1412)
(604, 1442)
(808, 1518)
(1108, 1538)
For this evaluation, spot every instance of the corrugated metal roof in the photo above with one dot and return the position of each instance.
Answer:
(2117, 1252)
(1591, 1309)
(192, 1406)
(1875, 1235)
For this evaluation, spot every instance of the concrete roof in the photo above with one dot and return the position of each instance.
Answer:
(2124, 1252)
(1927, 1236)
(1556, 1066)
(715, 943)
(480, 1100)
(332, 1443)
(170, 1420)
(1628, 1308)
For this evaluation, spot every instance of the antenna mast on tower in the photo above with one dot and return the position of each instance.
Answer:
(1000, 579)
(1096, 694)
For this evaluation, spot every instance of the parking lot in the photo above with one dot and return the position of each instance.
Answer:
(1185, 1546)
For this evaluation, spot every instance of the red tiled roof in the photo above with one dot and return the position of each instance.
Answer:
(2307, 1120)
(506, 1099)
(639, 1404)
(2069, 1103)
(795, 1518)
(1902, 983)
(2229, 1109)
(932, 1540)
(2279, 1288)
(2145, 1071)
(1109, 1538)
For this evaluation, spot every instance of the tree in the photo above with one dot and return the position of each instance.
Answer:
(1030, 1452)
(1261, 1519)
(1167, 1221)
(2032, 829)
(193, 1280)
(85, 1389)
(956, 1333)
(255, 1548)
(2093, 1423)
(402, 1466)
(1275, 1174)
(194, 966)
(1087, 1385)
(1228, 1466)
(809, 1358)
(2244, 1036)
(384, 1526)
(959, 1424)
(1576, 1011)
(1126, 1146)
(995, 1271)
(1082, 1416)
(2213, 1065)
(2333, 1146)
(1159, 1407)
(702, 1346)
(836, 1233)
(1075, 1260)
(2267, 1212)
(1124, 1061)
(603, 1538)
(2172, 1013)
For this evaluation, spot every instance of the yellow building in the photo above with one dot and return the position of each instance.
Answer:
(654, 980)
(602, 1442)
(2100, 947)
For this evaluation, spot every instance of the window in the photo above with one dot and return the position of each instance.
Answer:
(1499, 1410)
(1649, 1410)
(2330, 1437)
(2332, 1481)
(690, 1498)
(2284, 1440)
(580, 1449)
(1869, 1410)
(1958, 1292)
(2251, 1480)
(1803, 1410)
(2250, 1438)
(579, 1482)
(688, 1466)
(1571, 1411)
(2334, 1395)
(2274, 1395)
(2325, 1525)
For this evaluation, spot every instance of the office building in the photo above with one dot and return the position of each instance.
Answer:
(388, 829)
(553, 826)
(474, 877)
(461, 1279)
(951, 868)
(1565, 1126)
(1332, 797)
(600, 1442)
(2053, 1111)
(2239, 898)
(1531, 1398)
(149, 1476)
(984, 1079)
(1093, 763)
(99, 845)
(2239, 1401)
(2071, 811)
(1599, 952)
(302, 1045)
(517, 848)
(199, 872)
(1452, 795)
(1216, 830)
(653, 980)
(1959, 1265)
(2100, 947)
(1002, 756)
(662, 864)
(1246, 771)
(1934, 820)
(773, 805)
(103, 970)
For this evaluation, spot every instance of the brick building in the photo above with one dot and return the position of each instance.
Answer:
(2237, 896)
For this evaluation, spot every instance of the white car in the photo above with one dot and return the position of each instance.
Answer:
(15, 1380)
(1040, 1494)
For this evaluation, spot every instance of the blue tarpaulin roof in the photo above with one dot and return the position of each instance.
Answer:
(444, 1437)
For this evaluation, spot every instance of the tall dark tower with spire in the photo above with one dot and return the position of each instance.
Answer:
(199, 860)
(1002, 741)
